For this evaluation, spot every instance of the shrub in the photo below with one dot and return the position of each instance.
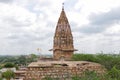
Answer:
(9, 65)
(84, 57)
(114, 73)
(75, 78)
(1, 78)
(8, 74)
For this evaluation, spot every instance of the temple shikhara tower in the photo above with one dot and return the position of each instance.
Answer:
(63, 47)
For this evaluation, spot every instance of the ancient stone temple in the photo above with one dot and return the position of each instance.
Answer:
(63, 40)
(61, 68)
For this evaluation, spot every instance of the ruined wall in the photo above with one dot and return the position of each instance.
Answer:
(62, 71)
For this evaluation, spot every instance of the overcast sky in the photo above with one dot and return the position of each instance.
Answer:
(26, 25)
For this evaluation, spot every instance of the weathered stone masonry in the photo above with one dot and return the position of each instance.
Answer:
(58, 69)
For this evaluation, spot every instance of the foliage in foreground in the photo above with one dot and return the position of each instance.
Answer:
(8, 74)
(110, 61)
(1, 78)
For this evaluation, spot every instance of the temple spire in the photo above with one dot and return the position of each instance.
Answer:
(62, 6)
(63, 40)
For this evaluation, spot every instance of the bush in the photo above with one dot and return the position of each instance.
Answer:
(114, 73)
(75, 78)
(8, 74)
(107, 60)
(110, 61)
(84, 57)
(9, 65)
(1, 78)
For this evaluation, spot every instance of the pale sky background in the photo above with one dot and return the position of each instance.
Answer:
(26, 25)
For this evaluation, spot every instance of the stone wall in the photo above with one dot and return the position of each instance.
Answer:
(61, 70)
(58, 55)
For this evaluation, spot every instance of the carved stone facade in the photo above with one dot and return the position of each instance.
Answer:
(63, 40)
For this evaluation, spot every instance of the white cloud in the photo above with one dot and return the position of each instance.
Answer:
(26, 25)
(97, 6)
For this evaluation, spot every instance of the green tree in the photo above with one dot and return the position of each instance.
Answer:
(22, 60)
(8, 74)
(9, 65)
(33, 56)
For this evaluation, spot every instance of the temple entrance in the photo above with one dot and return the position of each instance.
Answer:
(62, 58)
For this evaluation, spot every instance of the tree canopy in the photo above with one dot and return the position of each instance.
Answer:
(9, 65)
(8, 74)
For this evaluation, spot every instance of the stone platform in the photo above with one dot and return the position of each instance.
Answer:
(60, 69)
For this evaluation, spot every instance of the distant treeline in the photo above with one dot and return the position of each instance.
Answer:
(19, 60)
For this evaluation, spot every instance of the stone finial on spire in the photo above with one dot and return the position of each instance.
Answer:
(62, 6)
